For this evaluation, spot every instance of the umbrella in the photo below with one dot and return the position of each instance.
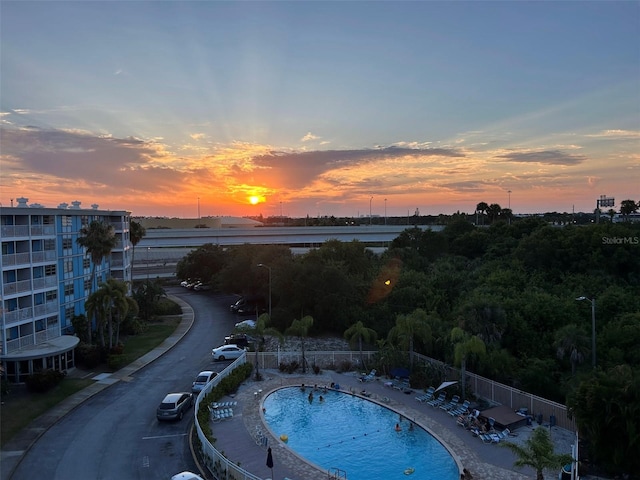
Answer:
(445, 385)
(270, 460)
(400, 372)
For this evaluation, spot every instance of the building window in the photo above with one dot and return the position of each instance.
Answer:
(51, 296)
(86, 262)
(68, 313)
(49, 270)
(68, 289)
(67, 243)
(68, 266)
(87, 286)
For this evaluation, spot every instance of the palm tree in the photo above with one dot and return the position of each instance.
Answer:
(300, 328)
(537, 453)
(465, 345)
(358, 332)
(571, 340)
(409, 328)
(482, 207)
(98, 239)
(108, 301)
(493, 212)
(136, 233)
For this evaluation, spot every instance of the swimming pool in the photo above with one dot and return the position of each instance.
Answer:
(355, 435)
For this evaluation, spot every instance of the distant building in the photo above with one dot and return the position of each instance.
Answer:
(46, 279)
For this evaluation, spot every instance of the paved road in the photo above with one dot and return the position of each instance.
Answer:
(114, 434)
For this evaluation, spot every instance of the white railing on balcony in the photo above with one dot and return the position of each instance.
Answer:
(30, 340)
(15, 231)
(46, 309)
(16, 287)
(43, 256)
(16, 259)
(44, 282)
(17, 315)
(40, 230)
(18, 343)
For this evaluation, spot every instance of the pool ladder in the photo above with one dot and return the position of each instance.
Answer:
(336, 473)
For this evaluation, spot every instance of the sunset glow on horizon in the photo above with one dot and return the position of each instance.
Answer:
(319, 108)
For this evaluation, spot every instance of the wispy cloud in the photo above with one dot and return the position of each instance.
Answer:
(546, 157)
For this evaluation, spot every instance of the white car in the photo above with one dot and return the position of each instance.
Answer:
(226, 352)
(202, 379)
(186, 476)
(246, 325)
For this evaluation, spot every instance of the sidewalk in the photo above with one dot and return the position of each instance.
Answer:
(17, 447)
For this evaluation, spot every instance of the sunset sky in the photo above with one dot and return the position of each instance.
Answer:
(319, 108)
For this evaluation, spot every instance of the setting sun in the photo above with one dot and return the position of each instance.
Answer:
(254, 200)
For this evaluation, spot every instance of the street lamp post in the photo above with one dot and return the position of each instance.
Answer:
(268, 268)
(593, 327)
(370, 198)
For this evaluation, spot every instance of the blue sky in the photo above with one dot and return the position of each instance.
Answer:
(320, 108)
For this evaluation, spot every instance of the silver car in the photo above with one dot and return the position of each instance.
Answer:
(174, 406)
(202, 379)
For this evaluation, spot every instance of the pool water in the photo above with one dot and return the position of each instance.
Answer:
(356, 436)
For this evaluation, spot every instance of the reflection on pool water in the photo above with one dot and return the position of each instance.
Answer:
(355, 435)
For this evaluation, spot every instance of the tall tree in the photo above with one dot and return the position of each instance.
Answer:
(571, 341)
(537, 453)
(98, 239)
(136, 233)
(627, 207)
(465, 345)
(493, 212)
(300, 328)
(481, 208)
(109, 301)
(409, 328)
(358, 332)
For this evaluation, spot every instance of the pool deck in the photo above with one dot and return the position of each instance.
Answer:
(235, 436)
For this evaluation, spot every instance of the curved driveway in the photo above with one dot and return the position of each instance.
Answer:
(114, 434)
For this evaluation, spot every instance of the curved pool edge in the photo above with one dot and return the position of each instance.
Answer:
(455, 457)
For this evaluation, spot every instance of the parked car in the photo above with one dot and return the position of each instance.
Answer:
(174, 406)
(186, 476)
(226, 352)
(246, 325)
(240, 339)
(202, 379)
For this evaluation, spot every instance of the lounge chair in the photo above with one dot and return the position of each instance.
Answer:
(436, 402)
(370, 376)
(489, 438)
(454, 412)
(427, 395)
(452, 403)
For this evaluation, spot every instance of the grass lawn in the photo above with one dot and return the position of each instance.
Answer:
(20, 407)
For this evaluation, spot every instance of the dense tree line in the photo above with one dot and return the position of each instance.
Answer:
(499, 300)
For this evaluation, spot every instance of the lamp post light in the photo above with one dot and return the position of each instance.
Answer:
(593, 327)
(268, 268)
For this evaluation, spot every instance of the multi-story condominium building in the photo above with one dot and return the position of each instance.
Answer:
(46, 279)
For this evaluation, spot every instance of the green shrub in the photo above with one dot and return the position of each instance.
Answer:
(44, 380)
(87, 356)
(165, 306)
